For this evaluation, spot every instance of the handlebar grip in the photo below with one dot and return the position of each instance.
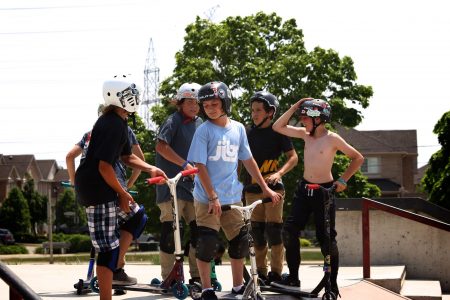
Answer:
(189, 172)
(155, 179)
(66, 184)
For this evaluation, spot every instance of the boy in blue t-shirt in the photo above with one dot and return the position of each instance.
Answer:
(218, 144)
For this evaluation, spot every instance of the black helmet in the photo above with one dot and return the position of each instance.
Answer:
(215, 90)
(269, 100)
(315, 108)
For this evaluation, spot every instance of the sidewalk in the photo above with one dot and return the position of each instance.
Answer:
(56, 281)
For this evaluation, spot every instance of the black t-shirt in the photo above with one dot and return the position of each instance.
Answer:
(109, 140)
(267, 146)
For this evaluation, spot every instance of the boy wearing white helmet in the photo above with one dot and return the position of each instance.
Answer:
(96, 184)
(174, 139)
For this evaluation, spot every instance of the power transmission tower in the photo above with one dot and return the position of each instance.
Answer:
(151, 83)
(209, 14)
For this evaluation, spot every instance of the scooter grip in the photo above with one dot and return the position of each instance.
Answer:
(189, 172)
(155, 179)
(66, 184)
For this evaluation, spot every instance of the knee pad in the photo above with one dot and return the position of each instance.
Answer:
(207, 243)
(136, 224)
(258, 229)
(290, 237)
(273, 231)
(239, 245)
(166, 242)
(108, 259)
(194, 234)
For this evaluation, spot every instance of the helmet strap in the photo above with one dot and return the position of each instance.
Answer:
(314, 126)
(260, 124)
(133, 118)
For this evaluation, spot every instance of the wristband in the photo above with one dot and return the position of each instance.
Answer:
(183, 166)
(213, 198)
(342, 181)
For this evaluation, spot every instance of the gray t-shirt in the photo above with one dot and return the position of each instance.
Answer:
(177, 132)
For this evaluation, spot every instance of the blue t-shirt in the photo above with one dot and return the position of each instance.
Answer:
(220, 149)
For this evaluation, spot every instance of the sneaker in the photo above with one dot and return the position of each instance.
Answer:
(240, 292)
(263, 278)
(194, 280)
(121, 278)
(273, 276)
(287, 283)
(208, 295)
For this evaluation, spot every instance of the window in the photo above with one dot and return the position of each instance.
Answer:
(371, 165)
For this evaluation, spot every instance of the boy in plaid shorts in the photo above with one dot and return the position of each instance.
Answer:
(97, 187)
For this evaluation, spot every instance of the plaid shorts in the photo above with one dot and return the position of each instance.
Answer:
(104, 222)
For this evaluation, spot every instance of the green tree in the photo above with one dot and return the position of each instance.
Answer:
(14, 213)
(436, 181)
(67, 203)
(37, 205)
(262, 52)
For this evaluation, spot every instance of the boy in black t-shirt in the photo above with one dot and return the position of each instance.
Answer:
(96, 184)
(267, 146)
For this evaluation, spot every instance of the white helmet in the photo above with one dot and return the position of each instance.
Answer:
(121, 91)
(188, 90)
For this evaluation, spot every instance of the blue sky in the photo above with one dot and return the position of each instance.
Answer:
(55, 54)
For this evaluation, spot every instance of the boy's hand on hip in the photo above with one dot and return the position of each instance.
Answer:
(276, 198)
(214, 208)
(124, 201)
(339, 186)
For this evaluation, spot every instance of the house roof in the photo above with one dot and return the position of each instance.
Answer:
(8, 172)
(45, 165)
(22, 162)
(61, 175)
(376, 141)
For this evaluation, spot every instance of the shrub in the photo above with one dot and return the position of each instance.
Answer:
(305, 243)
(13, 249)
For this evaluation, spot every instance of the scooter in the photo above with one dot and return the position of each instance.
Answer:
(254, 285)
(174, 283)
(325, 282)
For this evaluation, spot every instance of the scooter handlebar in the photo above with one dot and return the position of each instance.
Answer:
(183, 173)
(229, 207)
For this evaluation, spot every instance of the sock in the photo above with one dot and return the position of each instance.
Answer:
(237, 288)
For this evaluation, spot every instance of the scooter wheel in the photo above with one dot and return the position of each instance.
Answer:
(155, 281)
(329, 296)
(195, 291)
(216, 285)
(180, 290)
(94, 285)
(79, 286)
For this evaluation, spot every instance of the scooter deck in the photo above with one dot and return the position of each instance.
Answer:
(269, 296)
(297, 294)
(142, 287)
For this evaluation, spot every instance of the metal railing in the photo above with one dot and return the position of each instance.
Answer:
(367, 205)
(18, 289)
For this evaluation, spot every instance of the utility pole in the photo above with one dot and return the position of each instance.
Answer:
(50, 223)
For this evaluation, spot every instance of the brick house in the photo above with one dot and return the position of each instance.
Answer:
(17, 169)
(390, 158)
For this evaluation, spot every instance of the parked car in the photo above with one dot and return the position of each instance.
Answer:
(6, 237)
